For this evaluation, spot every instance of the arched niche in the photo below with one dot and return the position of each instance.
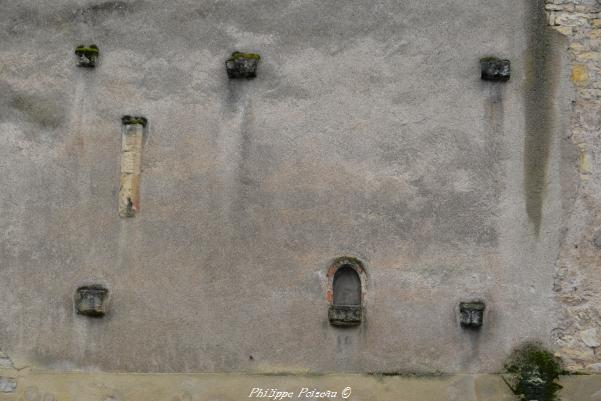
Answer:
(346, 287)
(346, 292)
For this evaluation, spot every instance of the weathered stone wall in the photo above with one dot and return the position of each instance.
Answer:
(367, 132)
(578, 281)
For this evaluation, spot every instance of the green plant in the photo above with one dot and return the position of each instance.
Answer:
(535, 372)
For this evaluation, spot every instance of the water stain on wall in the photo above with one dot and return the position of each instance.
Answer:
(539, 120)
(100, 11)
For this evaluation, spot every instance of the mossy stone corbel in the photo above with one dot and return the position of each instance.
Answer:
(242, 65)
(471, 314)
(91, 300)
(495, 69)
(87, 55)
(130, 120)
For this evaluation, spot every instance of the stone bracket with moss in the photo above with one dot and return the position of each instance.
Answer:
(242, 65)
(471, 314)
(91, 300)
(88, 55)
(495, 69)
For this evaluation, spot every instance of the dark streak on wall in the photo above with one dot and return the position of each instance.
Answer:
(539, 119)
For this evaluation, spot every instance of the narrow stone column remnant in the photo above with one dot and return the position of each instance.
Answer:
(87, 55)
(131, 165)
(494, 69)
(242, 65)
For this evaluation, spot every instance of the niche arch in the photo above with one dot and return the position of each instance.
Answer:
(346, 293)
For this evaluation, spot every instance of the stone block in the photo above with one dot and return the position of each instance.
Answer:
(345, 315)
(91, 300)
(494, 69)
(471, 314)
(87, 55)
(242, 65)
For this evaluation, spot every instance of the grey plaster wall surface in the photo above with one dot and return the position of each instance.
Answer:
(367, 132)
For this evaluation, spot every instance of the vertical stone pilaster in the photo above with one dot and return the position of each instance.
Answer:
(131, 165)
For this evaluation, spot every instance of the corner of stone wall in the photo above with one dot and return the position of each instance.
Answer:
(577, 288)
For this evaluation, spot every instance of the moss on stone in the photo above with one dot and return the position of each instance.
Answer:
(86, 50)
(535, 372)
(489, 58)
(128, 120)
(240, 55)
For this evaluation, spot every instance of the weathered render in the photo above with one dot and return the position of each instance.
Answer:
(366, 133)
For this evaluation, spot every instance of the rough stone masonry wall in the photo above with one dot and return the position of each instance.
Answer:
(578, 279)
